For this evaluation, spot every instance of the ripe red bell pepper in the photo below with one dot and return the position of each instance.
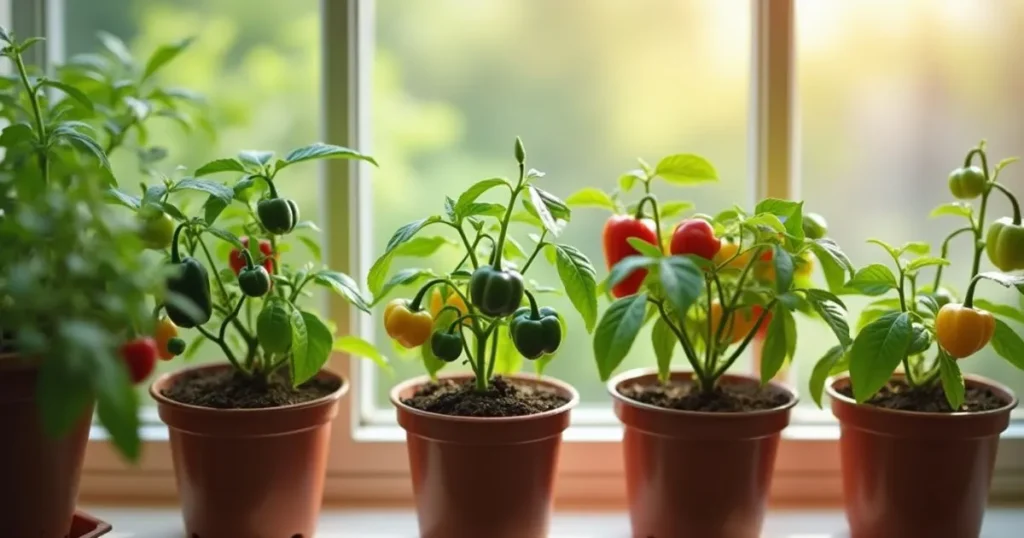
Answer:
(695, 236)
(617, 231)
(139, 357)
(237, 261)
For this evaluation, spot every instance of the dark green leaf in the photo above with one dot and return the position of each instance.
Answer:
(644, 248)
(116, 405)
(664, 342)
(477, 189)
(218, 190)
(300, 343)
(579, 278)
(541, 209)
(877, 352)
(928, 303)
(61, 395)
(319, 342)
(123, 198)
(220, 165)
(17, 133)
(952, 380)
(86, 143)
(1008, 344)
(681, 280)
(822, 369)
(405, 233)
(558, 209)
(616, 332)
(783, 262)
(226, 236)
(212, 209)
(920, 339)
(775, 350)
(831, 310)
(591, 197)
(343, 285)
(686, 169)
(322, 151)
(72, 92)
(353, 345)
(162, 55)
(875, 279)
(626, 266)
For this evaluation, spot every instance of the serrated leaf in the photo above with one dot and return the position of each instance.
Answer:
(217, 190)
(1008, 344)
(591, 197)
(822, 369)
(686, 169)
(877, 352)
(579, 278)
(952, 381)
(343, 285)
(664, 342)
(874, 279)
(220, 165)
(322, 151)
(616, 332)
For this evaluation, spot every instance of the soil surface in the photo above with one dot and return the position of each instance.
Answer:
(227, 389)
(503, 399)
(727, 398)
(898, 395)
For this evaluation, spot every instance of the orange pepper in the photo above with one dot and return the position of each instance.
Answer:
(963, 331)
(162, 334)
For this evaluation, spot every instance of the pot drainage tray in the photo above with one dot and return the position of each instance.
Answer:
(85, 526)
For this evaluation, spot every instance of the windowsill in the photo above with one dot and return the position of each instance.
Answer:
(376, 523)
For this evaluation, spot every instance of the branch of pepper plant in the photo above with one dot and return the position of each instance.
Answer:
(691, 354)
(508, 217)
(223, 346)
(746, 341)
(979, 227)
(945, 252)
(470, 249)
(494, 350)
(540, 244)
(44, 163)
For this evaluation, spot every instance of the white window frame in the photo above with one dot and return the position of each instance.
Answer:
(368, 461)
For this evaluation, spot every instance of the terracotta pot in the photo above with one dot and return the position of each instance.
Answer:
(249, 473)
(38, 474)
(483, 477)
(696, 474)
(917, 474)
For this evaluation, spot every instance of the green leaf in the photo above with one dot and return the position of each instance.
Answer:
(644, 248)
(15, 134)
(542, 211)
(625, 267)
(956, 209)
(876, 353)
(220, 165)
(919, 248)
(920, 339)
(579, 278)
(5, 36)
(300, 343)
(783, 262)
(139, 108)
(1010, 281)
(1008, 344)
(72, 92)
(765, 219)
(163, 55)
(476, 190)
(313, 246)
(227, 236)
(671, 209)
(319, 341)
(431, 363)
(477, 208)
(405, 277)
(449, 209)
(322, 151)
(405, 233)
(220, 191)
(507, 359)
(681, 280)
(686, 169)
(952, 380)
(875, 279)
(895, 254)
(627, 180)
(928, 303)
(591, 197)
(788, 210)
(832, 311)
(212, 209)
(419, 247)
(86, 143)
(1003, 310)
(123, 198)
(61, 395)
(512, 249)
(822, 369)
(353, 345)
(834, 263)
(343, 285)
(117, 405)
(776, 345)
(255, 159)
(664, 342)
(925, 261)
(116, 47)
(542, 363)
(616, 332)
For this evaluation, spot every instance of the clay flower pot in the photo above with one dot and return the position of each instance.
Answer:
(917, 474)
(249, 473)
(38, 474)
(476, 477)
(694, 473)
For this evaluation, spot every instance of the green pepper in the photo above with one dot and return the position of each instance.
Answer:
(189, 280)
(967, 183)
(496, 292)
(814, 226)
(534, 331)
(254, 280)
(156, 228)
(278, 215)
(1005, 244)
(446, 346)
(176, 346)
(273, 326)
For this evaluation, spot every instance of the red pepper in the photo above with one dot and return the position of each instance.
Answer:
(762, 331)
(695, 236)
(140, 357)
(237, 261)
(617, 230)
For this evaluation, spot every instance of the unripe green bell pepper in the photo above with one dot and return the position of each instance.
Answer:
(253, 280)
(967, 183)
(278, 215)
(446, 346)
(534, 331)
(190, 281)
(1005, 244)
(496, 292)
(814, 226)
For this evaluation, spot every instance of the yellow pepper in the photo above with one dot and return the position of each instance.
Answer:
(738, 325)
(164, 331)
(962, 331)
(728, 251)
(407, 327)
(804, 265)
(437, 302)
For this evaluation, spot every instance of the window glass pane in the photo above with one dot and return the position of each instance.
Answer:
(258, 64)
(893, 95)
(589, 85)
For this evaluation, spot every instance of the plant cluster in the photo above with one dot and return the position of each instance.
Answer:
(900, 330)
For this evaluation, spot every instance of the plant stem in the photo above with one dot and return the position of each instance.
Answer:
(691, 354)
(712, 339)
(44, 163)
(903, 299)
(494, 354)
(969, 298)
(223, 346)
(979, 227)
(216, 274)
(945, 252)
(1013, 202)
(482, 380)
(508, 218)
(649, 198)
(746, 341)
(470, 249)
(540, 245)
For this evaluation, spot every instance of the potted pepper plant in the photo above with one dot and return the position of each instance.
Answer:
(272, 401)
(75, 294)
(928, 426)
(700, 444)
(483, 311)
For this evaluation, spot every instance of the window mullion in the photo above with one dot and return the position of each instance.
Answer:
(773, 135)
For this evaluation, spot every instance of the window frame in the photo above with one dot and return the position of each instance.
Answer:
(367, 463)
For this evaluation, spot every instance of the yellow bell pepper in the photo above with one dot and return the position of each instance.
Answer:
(409, 328)
(963, 331)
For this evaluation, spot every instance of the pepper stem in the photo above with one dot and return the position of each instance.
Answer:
(649, 198)
(1013, 202)
(969, 298)
(418, 299)
(534, 312)
(175, 256)
(980, 150)
(270, 184)
(248, 258)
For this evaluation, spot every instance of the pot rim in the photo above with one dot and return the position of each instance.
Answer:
(831, 381)
(574, 398)
(614, 382)
(167, 377)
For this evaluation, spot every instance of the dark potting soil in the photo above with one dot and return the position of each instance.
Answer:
(899, 396)
(227, 389)
(726, 398)
(503, 399)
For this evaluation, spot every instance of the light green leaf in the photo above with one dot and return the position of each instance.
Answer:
(591, 197)
(218, 190)
(822, 369)
(420, 247)
(507, 359)
(925, 261)
(952, 381)
(671, 209)
(895, 254)
(220, 165)
(919, 248)
(616, 332)
(1005, 162)
(579, 278)
(405, 277)
(874, 279)
(353, 345)
(477, 189)
(644, 248)
(255, 159)
(123, 198)
(300, 344)
(318, 349)
(627, 180)
(343, 285)
(72, 92)
(542, 212)
(116, 47)
(831, 310)
(834, 263)
(1008, 344)
(956, 209)
(87, 144)
(686, 169)
(765, 219)
(877, 352)
(681, 280)
(1003, 310)
(163, 55)
(664, 342)
(379, 270)
(322, 151)
(477, 208)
